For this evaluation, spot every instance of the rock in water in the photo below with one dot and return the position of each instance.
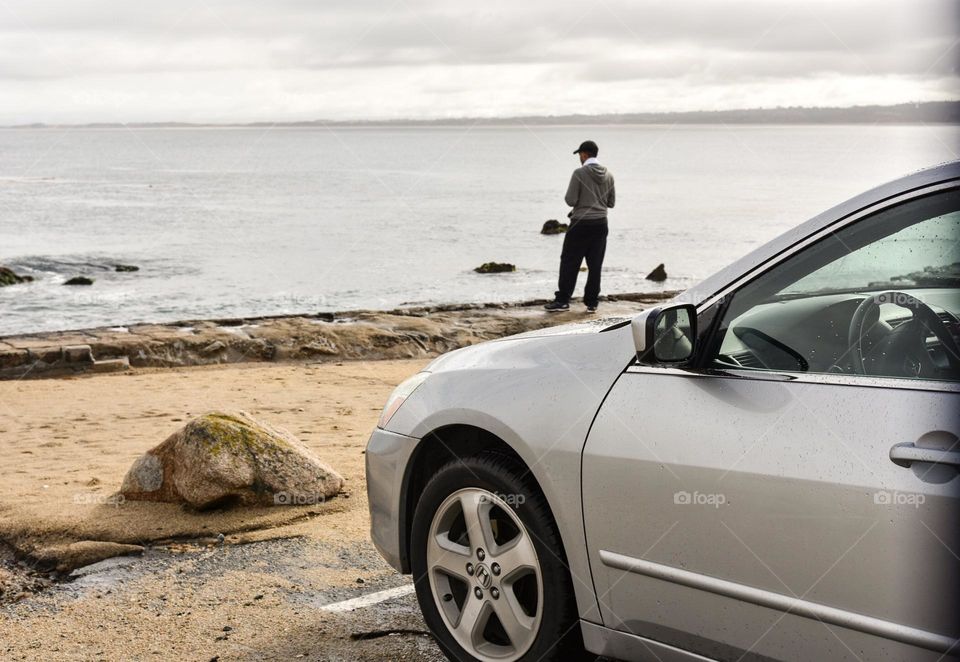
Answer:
(230, 458)
(79, 280)
(7, 277)
(495, 268)
(125, 267)
(659, 274)
(554, 226)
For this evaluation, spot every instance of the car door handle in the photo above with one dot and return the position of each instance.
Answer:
(907, 453)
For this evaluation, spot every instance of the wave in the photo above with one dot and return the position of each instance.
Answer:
(34, 264)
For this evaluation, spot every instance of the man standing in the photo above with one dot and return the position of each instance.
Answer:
(590, 193)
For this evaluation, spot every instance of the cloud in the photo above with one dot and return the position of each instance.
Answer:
(299, 59)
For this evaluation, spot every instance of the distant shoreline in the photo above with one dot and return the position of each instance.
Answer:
(931, 112)
(500, 125)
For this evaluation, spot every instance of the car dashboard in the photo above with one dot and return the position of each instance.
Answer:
(811, 334)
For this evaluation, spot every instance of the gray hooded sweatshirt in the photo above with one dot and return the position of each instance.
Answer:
(591, 193)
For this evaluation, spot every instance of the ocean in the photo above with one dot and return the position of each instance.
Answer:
(228, 222)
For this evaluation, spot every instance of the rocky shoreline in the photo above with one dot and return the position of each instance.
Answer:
(321, 337)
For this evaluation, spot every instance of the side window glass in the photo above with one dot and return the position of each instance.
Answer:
(880, 298)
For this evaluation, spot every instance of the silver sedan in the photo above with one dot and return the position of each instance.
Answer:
(764, 468)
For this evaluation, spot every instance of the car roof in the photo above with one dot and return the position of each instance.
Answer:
(920, 179)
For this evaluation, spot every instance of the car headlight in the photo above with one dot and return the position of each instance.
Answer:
(399, 396)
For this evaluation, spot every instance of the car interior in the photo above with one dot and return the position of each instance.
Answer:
(879, 298)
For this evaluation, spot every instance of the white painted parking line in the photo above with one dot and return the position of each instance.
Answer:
(369, 599)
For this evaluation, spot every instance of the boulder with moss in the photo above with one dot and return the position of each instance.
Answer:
(230, 458)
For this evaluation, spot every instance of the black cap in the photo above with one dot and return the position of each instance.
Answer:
(589, 147)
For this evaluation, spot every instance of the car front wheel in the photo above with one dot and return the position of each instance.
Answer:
(488, 564)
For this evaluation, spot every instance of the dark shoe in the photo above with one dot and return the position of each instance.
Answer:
(591, 309)
(556, 307)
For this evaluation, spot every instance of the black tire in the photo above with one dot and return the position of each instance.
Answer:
(558, 636)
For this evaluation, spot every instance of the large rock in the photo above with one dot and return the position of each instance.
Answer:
(8, 277)
(79, 280)
(230, 458)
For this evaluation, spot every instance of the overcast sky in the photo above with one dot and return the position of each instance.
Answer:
(246, 60)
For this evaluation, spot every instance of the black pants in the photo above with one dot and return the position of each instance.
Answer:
(583, 240)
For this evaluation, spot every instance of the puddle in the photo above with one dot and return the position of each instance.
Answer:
(103, 575)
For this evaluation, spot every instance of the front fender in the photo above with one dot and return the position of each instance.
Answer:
(539, 396)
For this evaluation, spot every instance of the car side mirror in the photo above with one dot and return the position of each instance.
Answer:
(666, 335)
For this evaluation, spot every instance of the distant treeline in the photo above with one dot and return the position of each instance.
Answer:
(933, 112)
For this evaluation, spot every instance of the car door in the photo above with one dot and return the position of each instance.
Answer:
(780, 497)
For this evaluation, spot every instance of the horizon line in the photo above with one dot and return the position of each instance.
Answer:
(905, 112)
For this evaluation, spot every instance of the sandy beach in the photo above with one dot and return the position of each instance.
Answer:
(239, 583)
(67, 444)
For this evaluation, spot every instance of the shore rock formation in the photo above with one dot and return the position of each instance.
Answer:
(125, 268)
(79, 280)
(414, 332)
(495, 268)
(230, 458)
(554, 226)
(8, 277)
(658, 275)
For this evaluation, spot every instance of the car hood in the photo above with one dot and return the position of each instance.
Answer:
(562, 369)
(574, 328)
(535, 342)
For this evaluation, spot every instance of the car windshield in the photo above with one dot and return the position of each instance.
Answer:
(841, 304)
(925, 255)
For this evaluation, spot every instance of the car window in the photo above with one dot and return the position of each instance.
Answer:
(880, 297)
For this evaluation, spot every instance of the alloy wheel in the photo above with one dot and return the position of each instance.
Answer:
(484, 575)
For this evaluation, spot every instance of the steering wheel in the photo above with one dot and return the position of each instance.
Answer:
(907, 342)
